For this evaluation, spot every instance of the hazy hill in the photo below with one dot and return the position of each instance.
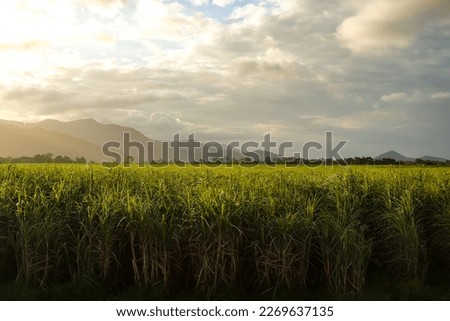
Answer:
(401, 158)
(90, 130)
(85, 138)
(394, 155)
(433, 159)
(98, 134)
(20, 141)
(11, 122)
(92, 133)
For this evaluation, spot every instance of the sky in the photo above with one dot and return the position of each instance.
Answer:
(375, 73)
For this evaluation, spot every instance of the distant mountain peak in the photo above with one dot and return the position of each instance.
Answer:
(87, 121)
(77, 121)
(434, 159)
(392, 154)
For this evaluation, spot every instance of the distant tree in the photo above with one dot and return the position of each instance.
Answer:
(43, 158)
(268, 160)
(350, 161)
(48, 157)
(129, 160)
(5, 160)
(67, 159)
(388, 161)
(80, 160)
(39, 158)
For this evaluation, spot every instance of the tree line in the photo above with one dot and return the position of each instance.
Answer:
(43, 158)
(50, 158)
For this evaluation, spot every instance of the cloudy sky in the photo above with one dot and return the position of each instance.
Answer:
(376, 73)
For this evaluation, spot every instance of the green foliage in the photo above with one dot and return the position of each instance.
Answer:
(207, 229)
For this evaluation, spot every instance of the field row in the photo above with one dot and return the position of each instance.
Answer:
(203, 230)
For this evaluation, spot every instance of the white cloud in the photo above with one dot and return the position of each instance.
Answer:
(104, 8)
(393, 97)
(383, 25)
(440, 95)
(23, 21)
(251, 14)
(223, 3)
(199, 2)
(288, 7)
(168, 22)
(374, 118)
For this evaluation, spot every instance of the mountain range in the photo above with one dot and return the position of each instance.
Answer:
(79, 138)
(401, 158)
(85, 138)
(22, 140)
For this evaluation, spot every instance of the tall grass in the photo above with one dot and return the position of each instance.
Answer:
(437, 210)
(401, 228)
(345, 248)
(281, 232)
(205, 229)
